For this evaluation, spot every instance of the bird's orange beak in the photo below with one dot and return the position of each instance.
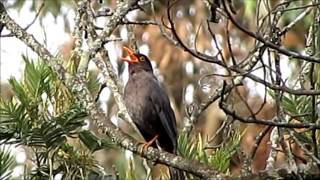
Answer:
(131, 57)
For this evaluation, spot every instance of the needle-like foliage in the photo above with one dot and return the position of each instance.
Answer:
(6, 163)
(43, 117)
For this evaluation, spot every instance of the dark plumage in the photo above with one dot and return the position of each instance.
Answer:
(149, 106)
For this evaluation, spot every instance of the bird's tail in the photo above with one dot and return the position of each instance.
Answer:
(176, 174)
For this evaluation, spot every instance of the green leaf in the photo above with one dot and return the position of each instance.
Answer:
(94, 143)
(37, 79)
(221, 158)
(6, 164)
(14, 121)
(19, 92)
(186, 148)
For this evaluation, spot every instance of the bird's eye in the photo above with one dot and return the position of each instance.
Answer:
(142, 58)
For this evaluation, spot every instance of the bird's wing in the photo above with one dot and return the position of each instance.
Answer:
(161, 104)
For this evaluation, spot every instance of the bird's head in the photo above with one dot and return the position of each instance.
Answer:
(136, 60)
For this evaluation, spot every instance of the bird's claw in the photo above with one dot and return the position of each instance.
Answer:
(149, 143)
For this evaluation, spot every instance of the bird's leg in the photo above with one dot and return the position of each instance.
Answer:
(149, 143)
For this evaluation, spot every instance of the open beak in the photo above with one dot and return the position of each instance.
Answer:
(131, 57)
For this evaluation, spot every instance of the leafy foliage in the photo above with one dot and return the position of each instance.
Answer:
(299, 107)
(6, 163)
(219, 157)
(43, 117)
(94, 143)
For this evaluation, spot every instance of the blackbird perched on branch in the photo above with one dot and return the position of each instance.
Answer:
(149, 106)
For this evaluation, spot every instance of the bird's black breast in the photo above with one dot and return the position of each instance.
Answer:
(150, 109)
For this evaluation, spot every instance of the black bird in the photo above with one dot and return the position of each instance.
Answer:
(149, 106)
